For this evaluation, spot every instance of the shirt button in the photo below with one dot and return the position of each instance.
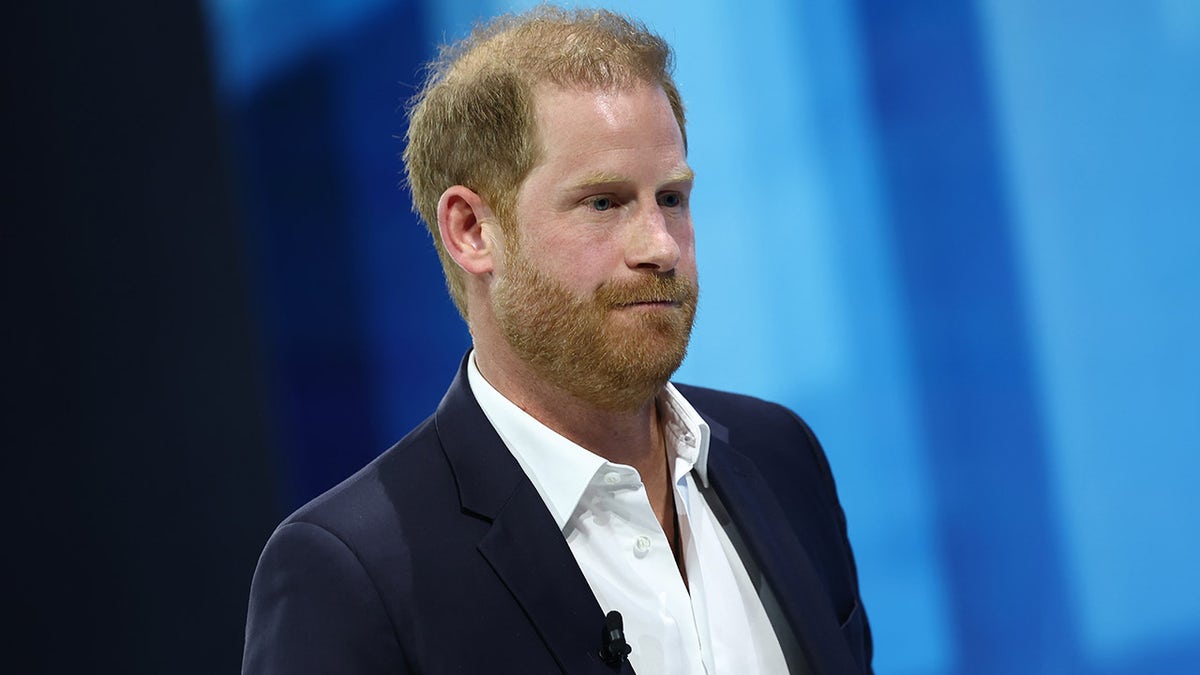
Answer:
(612, 478)
(642, 544)
(689, 439)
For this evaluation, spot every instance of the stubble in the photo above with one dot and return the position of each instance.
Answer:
(598, 348)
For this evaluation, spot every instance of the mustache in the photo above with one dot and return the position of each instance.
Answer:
(651, 288)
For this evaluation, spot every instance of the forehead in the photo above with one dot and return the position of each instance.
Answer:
(584, 126)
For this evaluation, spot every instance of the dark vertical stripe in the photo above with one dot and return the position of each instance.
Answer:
(409, 310)
(969, 334)
(320, 167)
(136, 458)
(302, 229)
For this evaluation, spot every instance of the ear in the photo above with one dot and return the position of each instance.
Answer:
(468, 228)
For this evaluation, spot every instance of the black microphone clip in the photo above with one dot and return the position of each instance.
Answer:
(613, 648)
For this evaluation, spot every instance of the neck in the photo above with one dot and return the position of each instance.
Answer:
(633, 437)
(629, 436)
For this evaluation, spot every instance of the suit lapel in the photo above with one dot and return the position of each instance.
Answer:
(523, 545)
(545, 579)
(764, 527)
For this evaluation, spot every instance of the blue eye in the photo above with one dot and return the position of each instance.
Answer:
(601, 203)
(670, 200)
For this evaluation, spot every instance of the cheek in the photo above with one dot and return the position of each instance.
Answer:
(577, 265)
(686, 240)
(687, 266)
(577, 247)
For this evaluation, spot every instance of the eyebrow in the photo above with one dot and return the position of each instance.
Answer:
(680, 174)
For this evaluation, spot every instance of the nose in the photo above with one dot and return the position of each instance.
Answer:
(652, 243)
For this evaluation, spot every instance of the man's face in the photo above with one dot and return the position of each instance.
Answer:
(597, 290)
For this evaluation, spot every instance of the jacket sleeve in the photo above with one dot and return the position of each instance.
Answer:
(315, 609)
(856, 627)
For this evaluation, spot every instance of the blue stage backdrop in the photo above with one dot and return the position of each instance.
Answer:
(960, 238)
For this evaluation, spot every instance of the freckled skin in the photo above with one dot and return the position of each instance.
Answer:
(628, 138)
(584, 311)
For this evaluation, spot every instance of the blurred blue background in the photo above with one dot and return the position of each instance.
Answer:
(959, 238)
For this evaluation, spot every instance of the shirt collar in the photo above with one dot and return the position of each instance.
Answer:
(686, 433)
(562, 470)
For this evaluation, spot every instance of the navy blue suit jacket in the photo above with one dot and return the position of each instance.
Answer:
(440, 556)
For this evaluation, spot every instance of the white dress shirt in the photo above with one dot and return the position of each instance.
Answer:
(719, 627)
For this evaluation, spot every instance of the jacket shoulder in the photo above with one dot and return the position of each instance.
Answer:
(411, 471)
(716, 400)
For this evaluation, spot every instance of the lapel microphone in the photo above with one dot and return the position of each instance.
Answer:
(613, 648)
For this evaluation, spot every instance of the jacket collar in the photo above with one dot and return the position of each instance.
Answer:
(523, 545)
(529, 554)
(787, 566)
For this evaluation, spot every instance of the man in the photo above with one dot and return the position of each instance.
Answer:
(563, 477)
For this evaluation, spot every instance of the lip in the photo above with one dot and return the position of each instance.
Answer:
(650, 304)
